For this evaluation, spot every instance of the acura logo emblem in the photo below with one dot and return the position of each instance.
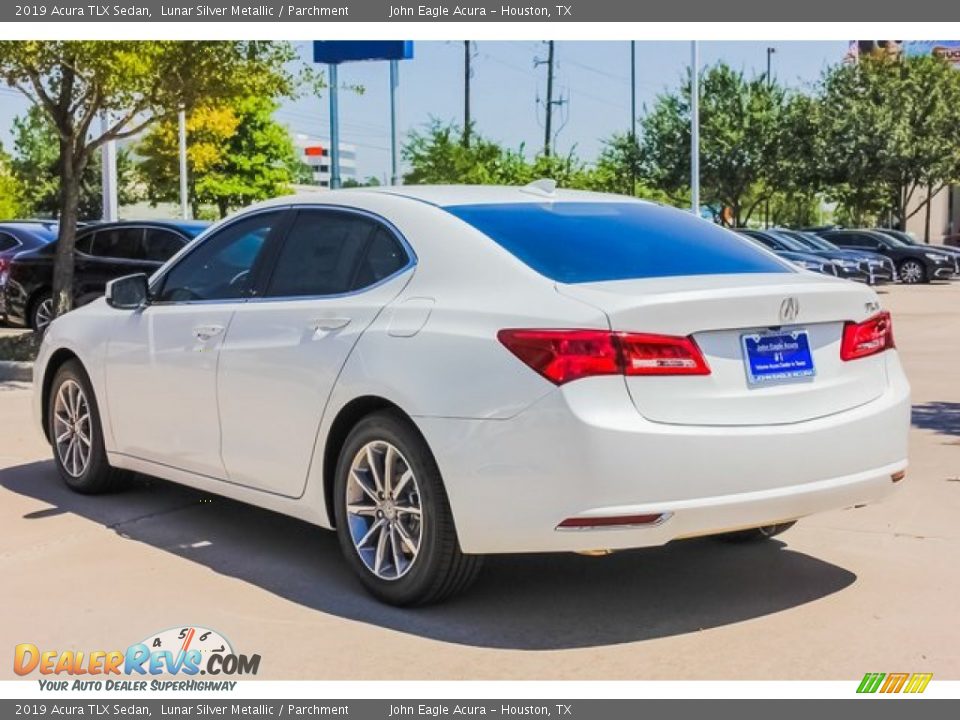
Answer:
(789, 309)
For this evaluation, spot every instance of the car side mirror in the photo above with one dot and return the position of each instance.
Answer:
(129, 292)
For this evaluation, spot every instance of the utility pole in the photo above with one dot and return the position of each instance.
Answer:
(549, 106)
(182, 137)
(466, 93)
(695, 128)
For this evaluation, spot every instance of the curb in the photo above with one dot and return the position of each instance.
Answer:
(16, 371)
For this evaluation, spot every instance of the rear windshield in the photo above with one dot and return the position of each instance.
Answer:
(579, 242)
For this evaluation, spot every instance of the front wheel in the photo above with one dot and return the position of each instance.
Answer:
(393, 519)
(75, 433)
(764, 532)
(912, 272)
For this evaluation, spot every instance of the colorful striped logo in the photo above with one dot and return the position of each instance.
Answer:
(894, 682)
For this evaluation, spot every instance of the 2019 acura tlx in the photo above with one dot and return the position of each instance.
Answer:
(441, 373)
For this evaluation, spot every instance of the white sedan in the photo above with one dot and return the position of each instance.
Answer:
(441, 373)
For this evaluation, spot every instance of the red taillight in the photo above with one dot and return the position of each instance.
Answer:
(645, 354)
(869, 337)
(565, 355)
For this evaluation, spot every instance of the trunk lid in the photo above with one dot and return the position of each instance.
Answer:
(717, 311)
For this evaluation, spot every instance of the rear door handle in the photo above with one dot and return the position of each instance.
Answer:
(207, 332)
(328, 324)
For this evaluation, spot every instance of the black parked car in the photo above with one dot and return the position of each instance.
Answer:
(877, 268)
(910, 240)
(914, 264)
(17, 236)
(791, 252)
(103, 252)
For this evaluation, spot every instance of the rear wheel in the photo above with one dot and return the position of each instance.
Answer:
(764, 532)
(75, 433)
(41, 313)
(393, 519)
(912, 272)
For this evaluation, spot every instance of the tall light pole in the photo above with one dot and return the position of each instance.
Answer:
(695, 128)
(394, 138)
(334, 127)
(633, 90)
(182, 138)
(108, 170)
(766, 209)
(466, 93)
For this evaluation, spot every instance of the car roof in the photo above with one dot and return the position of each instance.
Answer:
(186, 225)
(452, 195)
(42, 230)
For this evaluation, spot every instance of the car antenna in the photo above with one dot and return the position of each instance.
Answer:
(543, 186)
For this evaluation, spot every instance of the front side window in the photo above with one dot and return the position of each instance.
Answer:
(221, 267)
(579, 242)
(331, 253)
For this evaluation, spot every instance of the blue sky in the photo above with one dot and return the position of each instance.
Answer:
(593, 76)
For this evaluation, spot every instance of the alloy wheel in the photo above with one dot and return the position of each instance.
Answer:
(911, 272)
(43, 315)
(72, 428)
(384, 511)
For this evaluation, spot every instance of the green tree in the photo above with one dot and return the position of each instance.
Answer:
(437, 155)
(888, 133)
(739, 140)
(135, 83)
(36, 162)
(237, 154)
(11, 201)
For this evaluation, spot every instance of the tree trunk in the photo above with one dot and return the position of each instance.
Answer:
(71, 169)
(223, 207)
(926, 220)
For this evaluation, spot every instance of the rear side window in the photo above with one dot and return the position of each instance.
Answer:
(578, 242)
(119, 243)
(8, 242)
(330, 253)
(160, 245)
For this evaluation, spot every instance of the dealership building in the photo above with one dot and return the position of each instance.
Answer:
(315, 152)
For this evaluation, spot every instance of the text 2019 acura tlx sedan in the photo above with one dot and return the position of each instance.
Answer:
(441, 373)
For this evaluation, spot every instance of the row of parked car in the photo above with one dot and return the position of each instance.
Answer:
(876, 256)
(109, 250)
(104, 251)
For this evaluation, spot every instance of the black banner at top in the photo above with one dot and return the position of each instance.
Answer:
(479, 11)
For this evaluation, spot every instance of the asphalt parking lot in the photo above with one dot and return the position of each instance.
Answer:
(874, 589)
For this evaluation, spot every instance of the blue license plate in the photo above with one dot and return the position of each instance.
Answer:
(773, 357)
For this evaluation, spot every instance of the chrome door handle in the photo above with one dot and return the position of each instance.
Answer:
(206, 332)
(328, 324)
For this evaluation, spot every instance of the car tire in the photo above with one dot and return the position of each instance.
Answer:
(764, 532)
(912, 272)
(395, 527)
(41, 313)
(76, 434)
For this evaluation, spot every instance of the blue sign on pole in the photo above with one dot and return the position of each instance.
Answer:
(333, 52)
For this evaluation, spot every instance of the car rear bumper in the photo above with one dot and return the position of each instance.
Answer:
(585, 452)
